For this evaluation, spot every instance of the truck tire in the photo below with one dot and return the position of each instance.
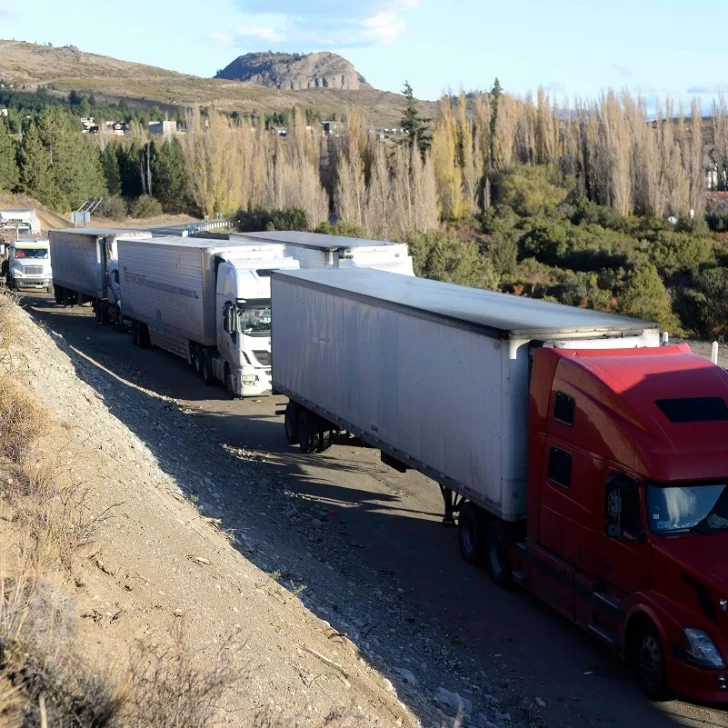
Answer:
(290, 423)
(145, 341)
(472, 529)
(229, 382)
(58, 294)
(648, 659)
(135, 333)
(309, 432)
(498, 560)
(206, 372)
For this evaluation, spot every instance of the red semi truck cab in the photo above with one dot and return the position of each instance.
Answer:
(627, 530)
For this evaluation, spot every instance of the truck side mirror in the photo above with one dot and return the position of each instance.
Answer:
(623, 509)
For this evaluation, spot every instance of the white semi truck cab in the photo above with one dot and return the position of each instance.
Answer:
(207, 301)
(29, 264)
(244, 330)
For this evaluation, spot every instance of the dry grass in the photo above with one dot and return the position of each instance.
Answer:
(45, 522)
(170, 687)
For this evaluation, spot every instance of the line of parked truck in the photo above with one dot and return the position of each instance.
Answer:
(579, 458)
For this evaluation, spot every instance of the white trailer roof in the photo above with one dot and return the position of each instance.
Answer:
(101, 232)
(495, 314)
(317, 240)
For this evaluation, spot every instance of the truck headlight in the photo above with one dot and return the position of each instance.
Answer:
(701, 650)
(249, 379)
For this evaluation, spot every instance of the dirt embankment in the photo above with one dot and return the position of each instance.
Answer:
(158, 604)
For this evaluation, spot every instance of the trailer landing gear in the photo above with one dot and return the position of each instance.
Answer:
(453, 501)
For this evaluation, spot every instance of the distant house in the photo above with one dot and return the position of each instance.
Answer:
(333, 127)
(163, 128)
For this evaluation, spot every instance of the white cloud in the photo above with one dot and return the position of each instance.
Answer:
(221, 38)
(382, 28)
(319, 23)
(267, 34)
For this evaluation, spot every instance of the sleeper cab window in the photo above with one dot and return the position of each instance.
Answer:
(560, 466)
(564, 407)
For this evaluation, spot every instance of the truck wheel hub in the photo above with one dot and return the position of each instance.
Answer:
(650, 662)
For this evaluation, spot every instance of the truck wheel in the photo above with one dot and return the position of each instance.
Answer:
(58, 294)
(290, 422)
(145, 341)
(229, 382)
(309, 434)
(98, 312)
(206, 372)
(135, 333)
(472, 529)
(649, 663)
(498, 561)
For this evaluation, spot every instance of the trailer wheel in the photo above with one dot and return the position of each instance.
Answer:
(58, 294)
(206, 372)
(290, 422)
(648, 659)
(309, 433)
(145, 341)
(135, 332)
(499, 565)
(472, 528)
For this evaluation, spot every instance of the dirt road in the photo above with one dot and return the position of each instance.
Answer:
(366, 550)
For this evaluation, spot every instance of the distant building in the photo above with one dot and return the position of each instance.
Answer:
(163, 128)
(333, 127)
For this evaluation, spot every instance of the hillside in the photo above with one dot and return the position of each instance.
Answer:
(295, 72)
(110, 80)
(130, 560)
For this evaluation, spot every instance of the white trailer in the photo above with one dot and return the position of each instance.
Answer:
(313, 250)
(85, 268)
(207, 301)
(434, 375)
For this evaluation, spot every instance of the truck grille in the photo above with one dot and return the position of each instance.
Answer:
(263, 358)
(33, 270)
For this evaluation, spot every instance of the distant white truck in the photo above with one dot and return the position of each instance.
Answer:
(207, 301)
(86, 270)
(29, 265)
(313, 250)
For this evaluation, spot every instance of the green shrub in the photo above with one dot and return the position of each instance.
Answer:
(673, 251)
(589, 213)
(703, 309)
(115, 208)
(692, 225)
(531, 190)
(717, 219)
(146, 206)
(343, 228)
(645, 297)
(253, 221)
(445, 258)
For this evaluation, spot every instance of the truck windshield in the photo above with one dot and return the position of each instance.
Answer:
(254, 318)
(31, 253)
(697, 507)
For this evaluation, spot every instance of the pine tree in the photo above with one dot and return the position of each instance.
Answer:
(36, 175)
(129, 160)
(171, 184)
(416, 127)
(110, 165)
(8, 163)
(495, 97)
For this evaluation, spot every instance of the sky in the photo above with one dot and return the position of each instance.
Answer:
(570, 47)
